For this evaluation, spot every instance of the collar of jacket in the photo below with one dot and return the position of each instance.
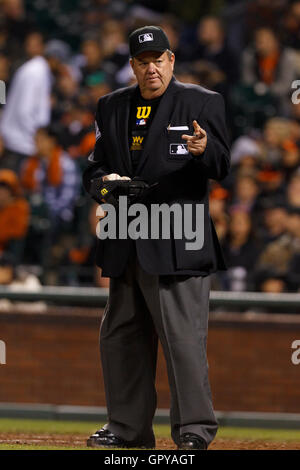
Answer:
(159, 122)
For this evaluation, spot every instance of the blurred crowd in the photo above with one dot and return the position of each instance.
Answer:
(58, 58)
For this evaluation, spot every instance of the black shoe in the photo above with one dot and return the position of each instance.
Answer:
(105, 438)
(191, 441)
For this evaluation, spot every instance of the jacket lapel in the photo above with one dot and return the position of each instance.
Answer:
(122, 118)
(159, 123)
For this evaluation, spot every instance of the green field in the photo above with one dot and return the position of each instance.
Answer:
(40, 427)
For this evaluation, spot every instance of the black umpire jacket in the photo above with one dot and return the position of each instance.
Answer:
(182, 178)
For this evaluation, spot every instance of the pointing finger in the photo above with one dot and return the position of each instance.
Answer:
(198, 130)
(196, 126)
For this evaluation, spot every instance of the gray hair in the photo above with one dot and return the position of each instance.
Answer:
(169, 53)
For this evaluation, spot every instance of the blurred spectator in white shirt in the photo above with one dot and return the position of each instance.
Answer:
(28, 105)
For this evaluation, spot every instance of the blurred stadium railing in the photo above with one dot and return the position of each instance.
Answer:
(97, 297)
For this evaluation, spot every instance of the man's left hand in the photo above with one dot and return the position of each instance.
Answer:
(196, 143)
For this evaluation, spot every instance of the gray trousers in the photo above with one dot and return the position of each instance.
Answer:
(141, 309)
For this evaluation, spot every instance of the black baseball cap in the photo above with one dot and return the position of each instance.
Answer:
(148, 38)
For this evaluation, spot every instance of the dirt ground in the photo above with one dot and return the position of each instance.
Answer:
(71, 440)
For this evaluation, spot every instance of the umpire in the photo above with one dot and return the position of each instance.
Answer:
(172, 136)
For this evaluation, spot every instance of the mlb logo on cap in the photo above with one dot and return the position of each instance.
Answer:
(145, 37)
(148, 38)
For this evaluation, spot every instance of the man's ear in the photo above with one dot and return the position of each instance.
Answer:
(131, 62)
(173, 60)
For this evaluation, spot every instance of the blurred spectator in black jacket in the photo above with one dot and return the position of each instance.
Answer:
(269, 68)
(241, 250)
(273, 220)
(279, 256)
(245, 194)
(116, 53)
(211, 47)
(91, 61)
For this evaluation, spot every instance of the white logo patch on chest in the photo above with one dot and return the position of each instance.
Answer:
(178, 149)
